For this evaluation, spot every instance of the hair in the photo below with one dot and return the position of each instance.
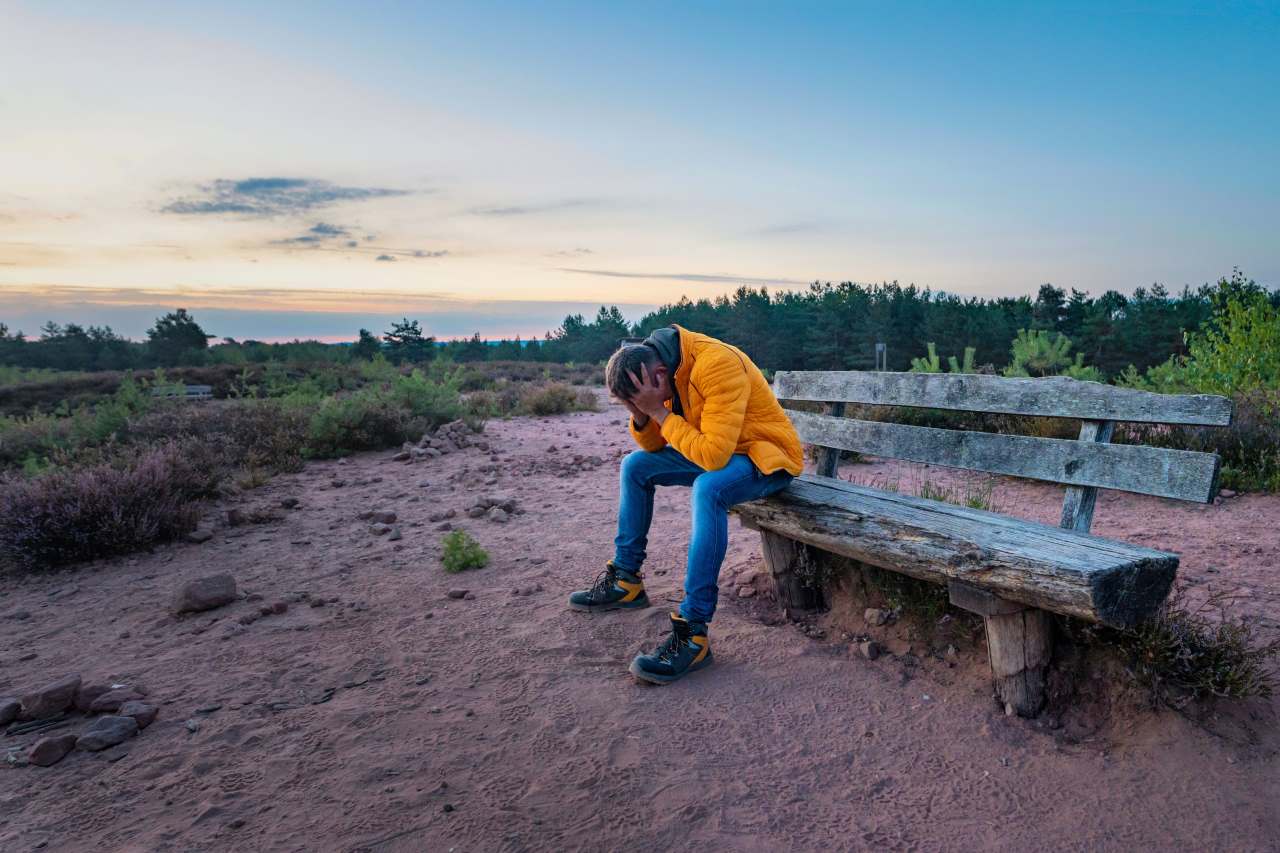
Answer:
(628, 358)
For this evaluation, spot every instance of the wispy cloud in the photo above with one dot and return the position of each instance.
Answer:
(263, 197)
(385, 257)
(570, 253)
(321, 232)
(687, 276)
(529, 209)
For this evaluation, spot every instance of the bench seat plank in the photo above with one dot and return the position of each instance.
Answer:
(1182, 474)
(1091, 578)
(1050, 396)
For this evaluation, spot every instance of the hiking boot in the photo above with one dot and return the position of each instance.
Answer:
(685, 650)
(615, 589)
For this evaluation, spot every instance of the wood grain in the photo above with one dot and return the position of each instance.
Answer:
(1051, 396)
(1181, 474)
(1088, 577)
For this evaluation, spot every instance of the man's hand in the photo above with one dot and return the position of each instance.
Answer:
(639, 418)
(649, 396)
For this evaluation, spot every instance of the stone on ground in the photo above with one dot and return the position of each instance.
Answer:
(9, 709)
(87, 693)
(106, 732)
(50, 700)
(110, 702)
(48, 751)
(205, 594)
(142, 713)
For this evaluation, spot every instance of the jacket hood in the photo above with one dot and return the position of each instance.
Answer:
(667, 342)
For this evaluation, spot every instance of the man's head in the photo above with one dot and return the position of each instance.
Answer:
(626, 362)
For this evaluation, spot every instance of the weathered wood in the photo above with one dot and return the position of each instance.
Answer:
(1019, 646)
(1051, 396)
(793, 569)
(966, 596)
(1078, 504)
(829, 457)
(1095, 579)
(1182, 474)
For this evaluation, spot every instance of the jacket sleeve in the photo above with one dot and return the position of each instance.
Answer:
(726, 392)
(650, 438)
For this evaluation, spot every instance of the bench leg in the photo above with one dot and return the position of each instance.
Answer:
(1019, 646)
(793, 566)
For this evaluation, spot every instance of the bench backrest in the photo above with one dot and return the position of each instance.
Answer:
(1084, 465)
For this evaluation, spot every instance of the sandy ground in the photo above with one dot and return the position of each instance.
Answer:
(507, 722)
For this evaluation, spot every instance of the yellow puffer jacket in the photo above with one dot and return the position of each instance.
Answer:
(728, 408)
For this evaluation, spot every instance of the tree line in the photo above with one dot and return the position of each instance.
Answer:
(825, 326)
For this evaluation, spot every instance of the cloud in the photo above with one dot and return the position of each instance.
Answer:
(570, 253)
(690, 277)
(528, 209)
(321, 232)
(385, 257)
(439, 253)
(263, 197)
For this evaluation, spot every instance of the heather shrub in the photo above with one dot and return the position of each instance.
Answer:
(556, 398)
(65, 516)
(461, 552)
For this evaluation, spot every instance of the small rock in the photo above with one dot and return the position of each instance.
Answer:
(87, 693)
(875, 616)
(289, 503)
(476, 512)
(200, 534)
(338, 484)
(142, 713)
(402, 456)
(193, 726)
(279, 607)
(50, 750)
(458, 593)
(746, 591)
(20, 615)
(107, 731)
(236, 517)
(205, 594)
(50, 700)
(1227, 493)
(385, 517)
(951, 653)
(209, 709)
(471, 596)
(395, 535)
(869, 649)
(110, 702)
(380, 529)
(498, 514)
(445, 526)
(9, 709)
(448, 807)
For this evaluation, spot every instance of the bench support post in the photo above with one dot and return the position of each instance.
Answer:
(793, 566)
(1019, 645)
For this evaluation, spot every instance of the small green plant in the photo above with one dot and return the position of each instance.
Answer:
(933, 364)
(461, 552)
(1038, 353)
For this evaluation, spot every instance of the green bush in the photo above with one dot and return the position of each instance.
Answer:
(1236, 355)
(556, 398)
(1039, 353)
(461, 553)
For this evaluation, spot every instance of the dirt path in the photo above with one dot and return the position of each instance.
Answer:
(507, 722)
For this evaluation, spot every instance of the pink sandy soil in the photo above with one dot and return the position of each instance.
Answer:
(519, 714)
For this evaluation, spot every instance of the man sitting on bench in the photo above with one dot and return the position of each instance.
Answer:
(705, 417)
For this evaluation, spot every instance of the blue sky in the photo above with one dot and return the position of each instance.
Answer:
(299, 167)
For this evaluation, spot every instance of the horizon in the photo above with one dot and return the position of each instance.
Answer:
(301, 171)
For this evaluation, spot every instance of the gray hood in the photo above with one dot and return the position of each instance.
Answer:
(667, 342)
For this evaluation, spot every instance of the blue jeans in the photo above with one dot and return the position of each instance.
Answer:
(713, 493)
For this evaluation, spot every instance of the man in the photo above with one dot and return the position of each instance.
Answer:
(704, 417)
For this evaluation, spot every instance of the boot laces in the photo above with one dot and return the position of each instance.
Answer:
(671, 646)
(600, 589)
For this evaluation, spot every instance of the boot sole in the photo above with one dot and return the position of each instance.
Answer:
(604, 608)
(655, 678)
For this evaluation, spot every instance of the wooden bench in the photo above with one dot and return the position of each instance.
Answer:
(1011, 572)
(184, 392)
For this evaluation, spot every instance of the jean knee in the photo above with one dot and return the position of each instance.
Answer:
(634, 465)
(706, 492)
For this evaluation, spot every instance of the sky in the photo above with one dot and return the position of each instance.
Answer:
(304, 169)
